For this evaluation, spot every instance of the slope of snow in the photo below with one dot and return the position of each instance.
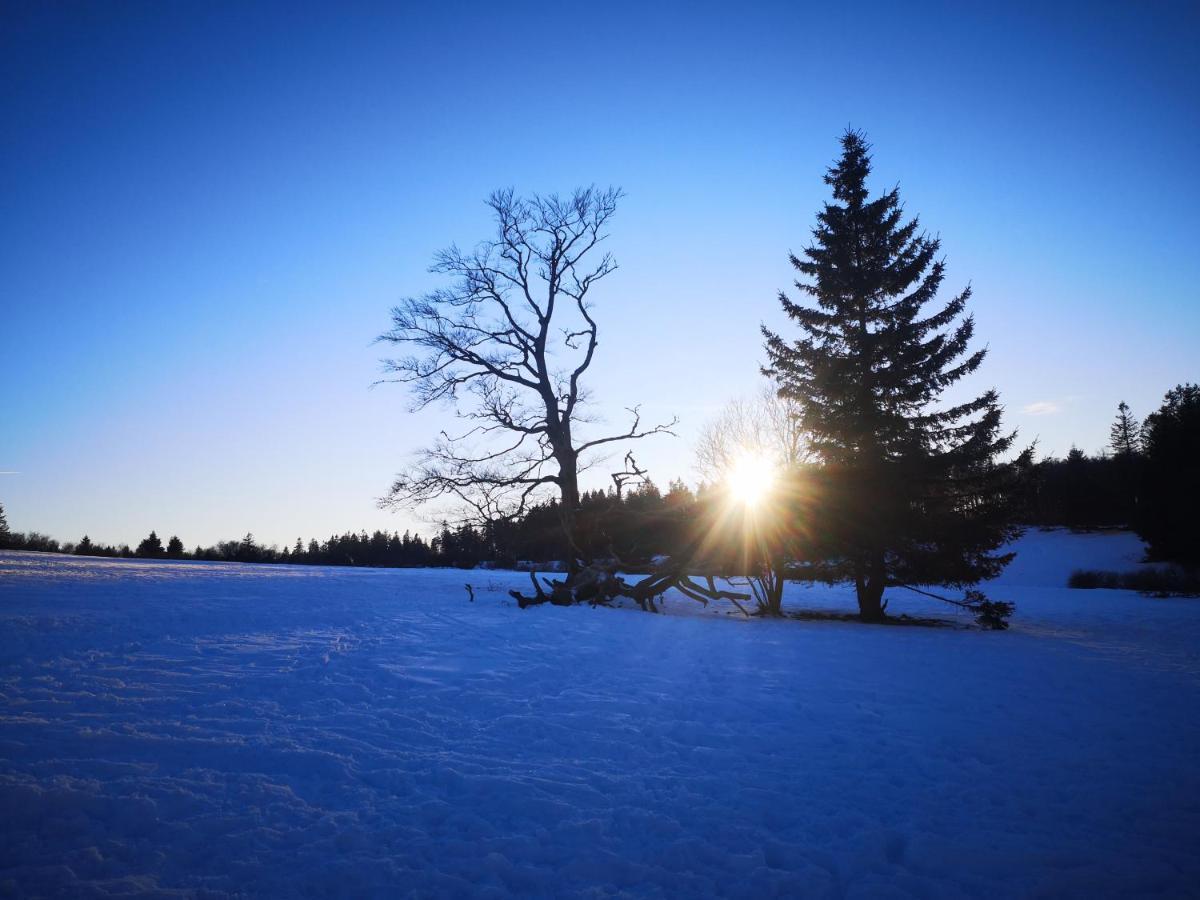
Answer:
(216, 729)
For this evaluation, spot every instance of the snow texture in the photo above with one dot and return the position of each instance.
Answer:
(207, 729)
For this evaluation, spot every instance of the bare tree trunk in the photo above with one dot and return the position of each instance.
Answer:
(568, 483)
(775, 589)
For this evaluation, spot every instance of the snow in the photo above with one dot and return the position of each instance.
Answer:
(207, 729)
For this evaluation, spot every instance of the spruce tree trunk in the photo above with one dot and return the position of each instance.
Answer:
(869, 583)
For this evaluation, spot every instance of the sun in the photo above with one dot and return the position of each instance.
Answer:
(751, 478)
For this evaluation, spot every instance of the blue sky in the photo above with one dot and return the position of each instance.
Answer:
(210, 208)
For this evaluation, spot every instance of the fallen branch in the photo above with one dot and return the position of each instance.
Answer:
(991, 614)
(597, 584)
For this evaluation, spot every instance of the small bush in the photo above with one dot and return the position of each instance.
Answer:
(1090, 579)
(1161, 581)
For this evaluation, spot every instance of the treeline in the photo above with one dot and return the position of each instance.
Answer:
(1085, 492)
(633, 525)
(350, 549)
(1147, 479)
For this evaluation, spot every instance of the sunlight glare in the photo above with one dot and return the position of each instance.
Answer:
(751, 478)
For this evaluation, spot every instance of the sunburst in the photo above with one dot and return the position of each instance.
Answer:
(751, 478)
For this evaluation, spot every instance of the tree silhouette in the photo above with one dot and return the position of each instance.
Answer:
(1125, 438)
(1168, 519)
(508, 343)
(151, 547)
(914, 490)
(175, 548)
(1125, 435)
(247, 550)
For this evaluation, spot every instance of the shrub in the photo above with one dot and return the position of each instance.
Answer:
(1162, 581)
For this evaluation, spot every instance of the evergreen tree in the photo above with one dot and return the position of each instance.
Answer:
(1167, 518)
(444, 545)
(175, 548)
(1125, 435)
(150, 547)
(247, 550)
(912, 492)
(1078, 489)
(5, 534)
(84, 547)
(1125, 438)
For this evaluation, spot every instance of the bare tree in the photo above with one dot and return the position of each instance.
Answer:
(765, 426)
(631, 474)
(508, 344)
(767, 429)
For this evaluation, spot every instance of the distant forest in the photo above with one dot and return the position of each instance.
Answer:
(1143, 480)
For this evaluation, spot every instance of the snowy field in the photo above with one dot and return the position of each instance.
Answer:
(207, 729)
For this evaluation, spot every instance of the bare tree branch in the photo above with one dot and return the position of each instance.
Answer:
(508, 343)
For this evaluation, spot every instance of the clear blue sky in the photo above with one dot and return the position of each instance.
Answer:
(209, 208)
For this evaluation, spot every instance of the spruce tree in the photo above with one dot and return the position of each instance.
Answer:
(1125, 435)
(151, 546)
(175, 548)
(247, 549)
(909, 491)
(1167, 519)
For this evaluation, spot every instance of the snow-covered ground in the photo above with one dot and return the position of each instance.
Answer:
(214, 729)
